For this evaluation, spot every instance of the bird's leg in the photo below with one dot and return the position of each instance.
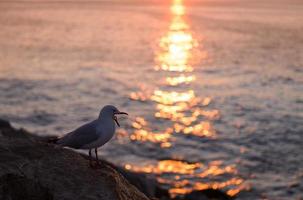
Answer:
(90, 158)
(97, 159)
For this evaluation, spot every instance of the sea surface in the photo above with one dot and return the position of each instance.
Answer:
(214, 90)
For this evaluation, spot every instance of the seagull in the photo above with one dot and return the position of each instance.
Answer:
(93, 134)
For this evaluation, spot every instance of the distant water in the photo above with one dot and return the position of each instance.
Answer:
(194, 123)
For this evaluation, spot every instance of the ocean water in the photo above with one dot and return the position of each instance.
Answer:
(214, 91)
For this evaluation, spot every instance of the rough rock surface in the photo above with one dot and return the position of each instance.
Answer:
(32, 169)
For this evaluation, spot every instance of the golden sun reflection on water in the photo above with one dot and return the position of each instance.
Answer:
(176, 46)
(143, 134)
(173, 81)
(177, 8)
(177, 53)
(183, 171)
(181, 112)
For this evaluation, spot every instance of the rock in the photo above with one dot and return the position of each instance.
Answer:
(205, 195)
(145, 183)
(32, 169)
(4, 124)
(16, 187)
(148, 185)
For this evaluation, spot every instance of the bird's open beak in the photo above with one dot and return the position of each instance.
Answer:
(116, 120)
(115, 117)
(120, 113)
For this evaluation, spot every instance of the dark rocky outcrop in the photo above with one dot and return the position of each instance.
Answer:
(32, 169)
(4, 124)
(145, 183)
(16, 187)
(205, 195)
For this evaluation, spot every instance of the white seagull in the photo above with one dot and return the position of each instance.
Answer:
(93, 134)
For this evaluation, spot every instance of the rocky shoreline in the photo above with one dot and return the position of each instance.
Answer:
(31, 169)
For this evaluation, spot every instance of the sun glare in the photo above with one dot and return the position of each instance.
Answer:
(177, 8)
(177, 104)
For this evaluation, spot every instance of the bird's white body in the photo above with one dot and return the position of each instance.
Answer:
(93, 134)
(105, 130)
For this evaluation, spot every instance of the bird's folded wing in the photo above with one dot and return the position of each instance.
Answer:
(81, 136)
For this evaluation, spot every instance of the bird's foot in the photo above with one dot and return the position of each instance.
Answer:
(96, 165)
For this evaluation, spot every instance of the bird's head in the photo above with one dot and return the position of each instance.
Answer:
(111, 111)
